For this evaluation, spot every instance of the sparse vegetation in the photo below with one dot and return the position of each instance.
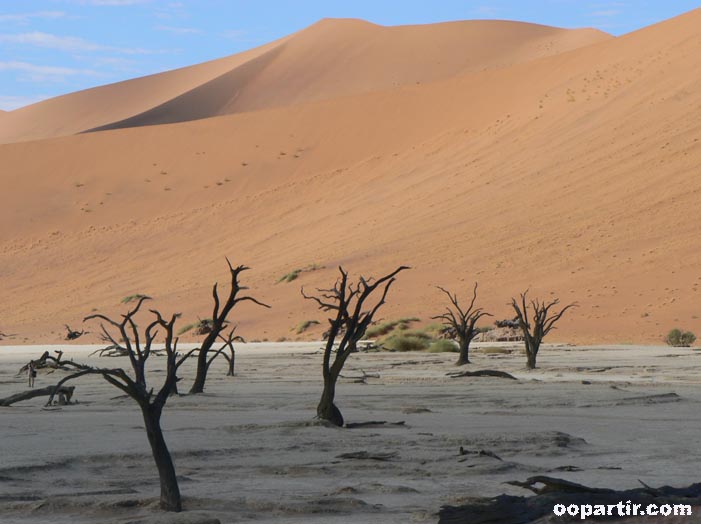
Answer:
(443, 346)
(294, 274)
(203, 326)
(409, 341)
(496, 351)
(678, 338)
(303, 326)
(385, 328)
(134, 298)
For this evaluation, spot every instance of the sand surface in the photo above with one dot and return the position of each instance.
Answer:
(570, 169)
(248, 450)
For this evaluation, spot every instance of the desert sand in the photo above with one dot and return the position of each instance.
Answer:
(249, 450)
(560, 161)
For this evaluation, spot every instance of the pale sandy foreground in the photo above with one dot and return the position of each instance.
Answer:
(249, 449)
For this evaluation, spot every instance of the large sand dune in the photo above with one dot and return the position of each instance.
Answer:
(329, 59)
(573, 174)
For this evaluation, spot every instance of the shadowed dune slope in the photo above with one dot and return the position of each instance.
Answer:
(574, 174)
(83, 110)
(326, 60)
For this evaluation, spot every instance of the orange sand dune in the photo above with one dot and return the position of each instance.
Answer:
(573, 174)
(329, 59)
(77, 112)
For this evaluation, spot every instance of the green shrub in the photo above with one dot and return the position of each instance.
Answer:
(418, 333)
(289, 277)
(385, 328)
(434, 328)
(679, 338)
(380, 330)
(405, 342)
(292, 275)
(303, 326)
(443, 346)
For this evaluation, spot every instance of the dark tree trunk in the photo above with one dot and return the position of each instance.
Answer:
(327, 410)
(170, 492)
(201, 376)
(531, 352)
(232, 365)
(172, 368)
(464, 357)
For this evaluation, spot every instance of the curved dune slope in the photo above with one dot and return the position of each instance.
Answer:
(575, 174)
(329, 59)
(77, 112)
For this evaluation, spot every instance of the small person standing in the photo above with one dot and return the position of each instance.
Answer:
(31, 374)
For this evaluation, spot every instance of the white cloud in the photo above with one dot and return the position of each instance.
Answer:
(66, 43)
(487, 11)
(237, 35)
(606, 13)
(178, 30)
(12, 102)
(40, 73)
(23, 18)
(112, 2)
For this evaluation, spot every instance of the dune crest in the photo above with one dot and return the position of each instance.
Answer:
(332, 58)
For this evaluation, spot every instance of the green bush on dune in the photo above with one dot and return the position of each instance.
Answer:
(679, 338)
(407, 342)
(385, 328)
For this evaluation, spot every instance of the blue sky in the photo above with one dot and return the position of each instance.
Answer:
(51, 47)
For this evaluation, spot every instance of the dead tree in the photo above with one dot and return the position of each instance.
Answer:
(65, 394)
(139, 349)
(540, 323)
(219, 322)
(46, 361)
(114, 348)
(346, 302)
(231, 356)
(71, 334)
(462, 322)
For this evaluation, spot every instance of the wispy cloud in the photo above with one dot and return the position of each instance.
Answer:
(12, 102)
(41, 73)
(112, 2)
(24, 18)
(607, 13)
(67, 43)
(178, 30)
(237, 35)
(486, 11)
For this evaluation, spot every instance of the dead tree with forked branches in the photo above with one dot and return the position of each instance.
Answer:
(219, 321)
(139, 349)
(542, 320)
(231, 356)
(350, 320)
(462, 322)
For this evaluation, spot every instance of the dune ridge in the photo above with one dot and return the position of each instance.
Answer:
(572, 174)
(334, 57)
